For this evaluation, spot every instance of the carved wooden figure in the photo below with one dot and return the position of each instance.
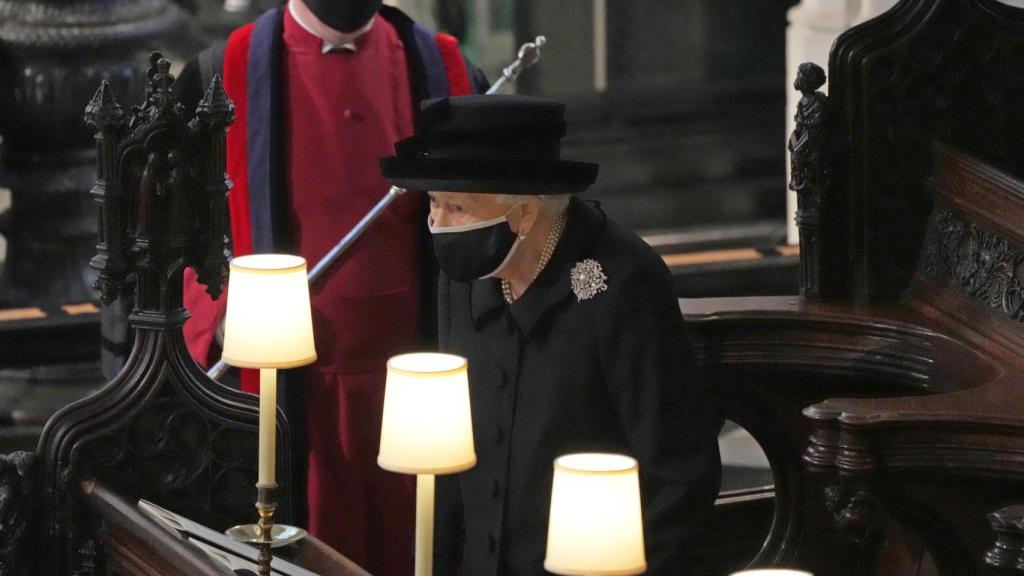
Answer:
(161, 430)
(809, 176)
(899, 391)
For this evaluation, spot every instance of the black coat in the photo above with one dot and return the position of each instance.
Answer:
(551, 374)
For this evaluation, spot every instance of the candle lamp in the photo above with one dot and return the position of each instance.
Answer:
(268, 326)
(596, 526)
(427, 429)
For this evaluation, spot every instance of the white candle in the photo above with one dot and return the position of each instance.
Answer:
(424, 524)
(268, 425)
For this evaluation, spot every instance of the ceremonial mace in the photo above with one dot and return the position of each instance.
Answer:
(529, 54)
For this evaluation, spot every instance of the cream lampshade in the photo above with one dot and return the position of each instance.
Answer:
(427, 426)
(596, 525)
(772, 572)
(268, 325)
(427, 429)
(268, 322)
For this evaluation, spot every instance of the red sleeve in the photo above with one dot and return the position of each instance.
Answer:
(236, 74)
(454, 65)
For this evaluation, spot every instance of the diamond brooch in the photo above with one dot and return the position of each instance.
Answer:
(587, 279)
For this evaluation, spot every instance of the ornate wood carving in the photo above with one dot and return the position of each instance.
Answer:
(809, 171)
(925, 70)
(1006, 556)
(981, 264)
(17, 500)
(161, 429)
(859, 517)
(915, 349)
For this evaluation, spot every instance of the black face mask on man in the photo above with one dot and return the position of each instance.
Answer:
(344, 15)
(472, 251)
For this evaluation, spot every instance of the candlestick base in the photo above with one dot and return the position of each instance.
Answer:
(263, 533)
(280, 534)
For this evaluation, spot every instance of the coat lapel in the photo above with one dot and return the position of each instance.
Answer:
(553, 287)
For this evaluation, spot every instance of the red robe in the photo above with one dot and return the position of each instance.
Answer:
(343, 111)
(339, 113)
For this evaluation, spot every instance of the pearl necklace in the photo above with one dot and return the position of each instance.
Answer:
(549, 248)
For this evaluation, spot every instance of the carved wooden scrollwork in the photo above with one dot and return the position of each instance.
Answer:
(981, 264)
(809, 171)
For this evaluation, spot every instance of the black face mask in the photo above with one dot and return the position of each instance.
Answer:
(344, 15)
(474, 251)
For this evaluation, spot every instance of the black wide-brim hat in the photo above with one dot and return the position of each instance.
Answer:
(490, 145)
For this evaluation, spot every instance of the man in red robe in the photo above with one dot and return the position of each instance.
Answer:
(322, 89)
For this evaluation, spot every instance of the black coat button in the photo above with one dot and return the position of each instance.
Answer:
(496, 488)
(499, 434)
(504, 381)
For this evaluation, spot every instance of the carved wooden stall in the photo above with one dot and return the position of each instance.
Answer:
(889, 397)
(161, 430)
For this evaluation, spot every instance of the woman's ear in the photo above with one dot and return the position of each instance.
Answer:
(524, 216)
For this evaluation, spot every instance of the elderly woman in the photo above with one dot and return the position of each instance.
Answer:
(573, 334)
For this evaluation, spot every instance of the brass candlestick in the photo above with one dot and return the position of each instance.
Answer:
(266, 505)
(268, 325)
(265, 534)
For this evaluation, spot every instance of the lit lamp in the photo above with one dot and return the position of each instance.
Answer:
(268, 325)
(772, 572)
(427, 429)
(596, 526)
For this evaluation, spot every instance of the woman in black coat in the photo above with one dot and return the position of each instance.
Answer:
(573, 334)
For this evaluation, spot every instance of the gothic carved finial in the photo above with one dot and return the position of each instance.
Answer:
(162, 190)
(103, 112)
(809, 171)
(160, 103)
(214, 114)
(104, 115)
(215, 110)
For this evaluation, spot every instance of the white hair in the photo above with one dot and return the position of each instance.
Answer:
(552, 205)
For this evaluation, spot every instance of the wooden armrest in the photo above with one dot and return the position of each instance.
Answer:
(135, 544)
(891, 344)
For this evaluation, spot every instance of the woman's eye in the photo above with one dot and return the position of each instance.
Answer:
(458, 209)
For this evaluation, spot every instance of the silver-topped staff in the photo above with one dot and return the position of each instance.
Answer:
(529, 54)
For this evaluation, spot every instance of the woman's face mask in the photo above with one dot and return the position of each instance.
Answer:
(471, 251)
